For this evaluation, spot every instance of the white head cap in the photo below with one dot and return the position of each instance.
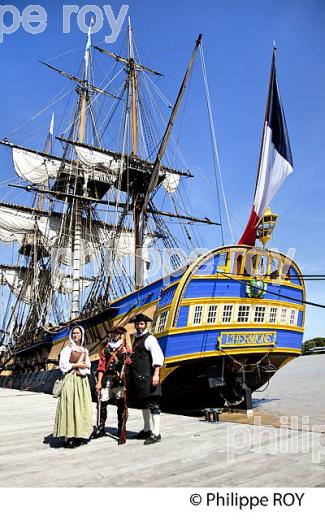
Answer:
(82, 330)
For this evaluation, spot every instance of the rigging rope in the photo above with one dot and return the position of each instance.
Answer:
(55, 100)
(216, 160)
(306, 302)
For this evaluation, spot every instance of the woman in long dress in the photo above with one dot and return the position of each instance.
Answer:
(73, 414)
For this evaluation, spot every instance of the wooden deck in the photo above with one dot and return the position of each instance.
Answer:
(192, 452)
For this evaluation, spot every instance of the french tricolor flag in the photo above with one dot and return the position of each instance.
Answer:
(275, 162)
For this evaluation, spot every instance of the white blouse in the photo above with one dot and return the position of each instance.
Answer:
(64, 363)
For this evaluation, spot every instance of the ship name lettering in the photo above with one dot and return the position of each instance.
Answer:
(264, 338)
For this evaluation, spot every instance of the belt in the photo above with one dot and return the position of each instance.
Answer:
(79, 375)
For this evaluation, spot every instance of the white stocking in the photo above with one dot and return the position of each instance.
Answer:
(156, 423)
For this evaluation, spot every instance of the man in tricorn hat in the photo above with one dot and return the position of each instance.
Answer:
(109, 382)
(147, 359)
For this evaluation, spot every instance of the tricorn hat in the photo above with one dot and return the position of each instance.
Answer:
(140, 317)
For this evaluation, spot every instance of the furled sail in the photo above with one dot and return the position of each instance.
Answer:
(62, 249)
(18, 223)
(38, 168)
(124, 243)
(64, 254)
(18, 286)
(21, 282)
(171, 180)
(91, 242)
(64, 284)
(33, 167)
(15, 224)
(93, 158)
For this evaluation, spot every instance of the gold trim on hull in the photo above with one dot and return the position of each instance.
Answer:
(232, 352)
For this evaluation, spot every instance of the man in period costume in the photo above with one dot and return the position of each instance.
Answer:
(109, 377)
(147, 359)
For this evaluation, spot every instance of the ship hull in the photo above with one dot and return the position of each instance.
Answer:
(217, 339)
(187, 388)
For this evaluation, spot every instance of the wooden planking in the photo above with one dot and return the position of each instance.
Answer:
(192, 452)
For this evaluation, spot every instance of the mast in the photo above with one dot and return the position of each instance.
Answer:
(133, 80)
(141, 207)
(84, 91)
(47, 150)
(75, 304)
(75, 307)
(137, 202)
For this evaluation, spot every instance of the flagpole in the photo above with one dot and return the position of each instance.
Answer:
(267, 111)
(275, 161)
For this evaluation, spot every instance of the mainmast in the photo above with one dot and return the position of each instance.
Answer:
(83, 100)
(132, 78)
(138, 232)
(133, 82)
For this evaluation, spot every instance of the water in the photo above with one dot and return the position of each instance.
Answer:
(297, 389)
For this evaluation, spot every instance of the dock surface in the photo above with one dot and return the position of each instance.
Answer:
(193, 453)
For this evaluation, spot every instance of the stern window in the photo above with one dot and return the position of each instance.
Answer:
(259, 314)
(283, 317)
(273, 314)
(292, 320)
(197, 317)
(227, 313)
(243, 313)
(212, 314)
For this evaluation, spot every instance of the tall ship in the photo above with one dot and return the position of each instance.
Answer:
(91, 242)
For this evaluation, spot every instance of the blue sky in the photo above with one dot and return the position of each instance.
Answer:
(237, 39)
